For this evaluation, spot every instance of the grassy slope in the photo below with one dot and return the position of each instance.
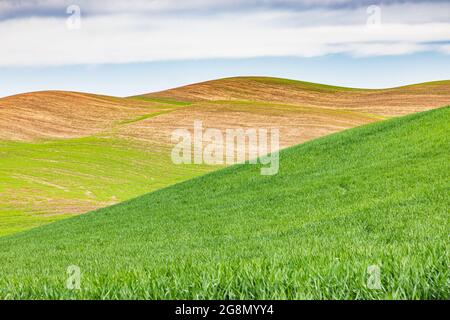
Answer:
(48, 181)
(371, 195)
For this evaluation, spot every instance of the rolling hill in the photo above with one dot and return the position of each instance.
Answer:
(389, 102)
(373, 195)
(58, 114)
(67, 153)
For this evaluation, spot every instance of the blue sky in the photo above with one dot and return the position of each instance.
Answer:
(130, 47)
(136, 78)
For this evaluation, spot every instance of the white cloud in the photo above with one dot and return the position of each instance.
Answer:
(112, 37)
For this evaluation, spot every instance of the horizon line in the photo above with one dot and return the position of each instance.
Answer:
(226, 78)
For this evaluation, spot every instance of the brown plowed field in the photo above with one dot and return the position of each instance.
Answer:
(301, 110)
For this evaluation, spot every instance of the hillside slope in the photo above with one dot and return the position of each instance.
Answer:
(388, 102)
(66, 153)
(374, 195)
(59, 114)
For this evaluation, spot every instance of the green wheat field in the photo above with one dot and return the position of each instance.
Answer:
(376, 195)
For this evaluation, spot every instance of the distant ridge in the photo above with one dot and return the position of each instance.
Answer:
(392, 101)
(61, 114)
